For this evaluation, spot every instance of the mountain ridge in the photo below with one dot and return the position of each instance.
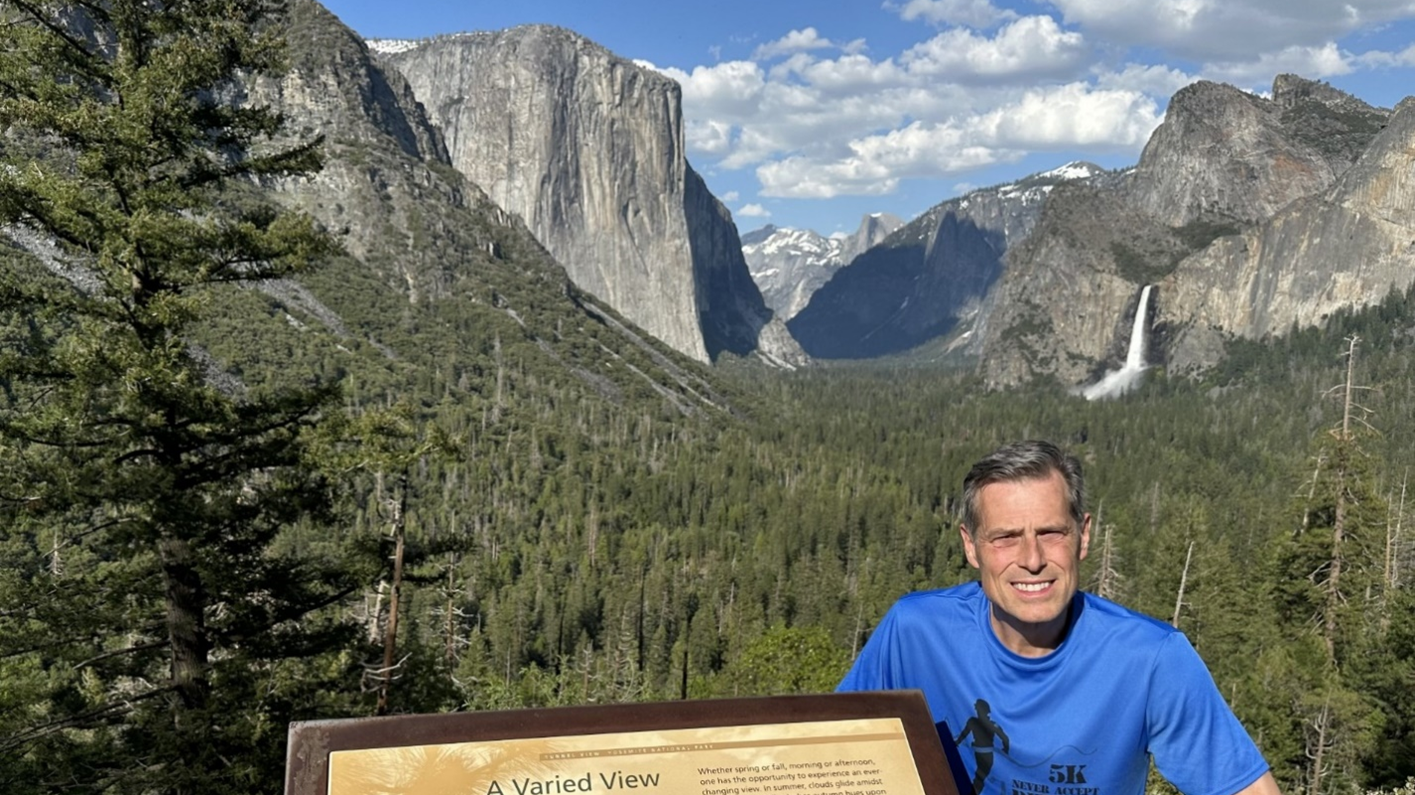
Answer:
(588, 148)
(789, 265)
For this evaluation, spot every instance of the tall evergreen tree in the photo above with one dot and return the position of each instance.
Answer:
(156, 605)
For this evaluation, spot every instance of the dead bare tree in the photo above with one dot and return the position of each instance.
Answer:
(1183, 581)
(1345, 448)
(1317, 747)
(1107, 579)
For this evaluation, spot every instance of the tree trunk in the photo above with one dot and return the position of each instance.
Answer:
(1183, 581)
(390, 635)
(185, 597)
(1338, 533)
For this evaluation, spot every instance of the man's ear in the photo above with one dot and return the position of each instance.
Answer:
(969, 547)
(1085, 536)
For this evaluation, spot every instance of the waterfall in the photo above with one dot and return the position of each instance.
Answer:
(1135, 357)
(1118, 382)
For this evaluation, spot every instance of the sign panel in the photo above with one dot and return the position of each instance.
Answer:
(845, 744)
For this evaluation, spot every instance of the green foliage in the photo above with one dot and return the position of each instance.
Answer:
(1200, 232)
(1139, 267)
(159, 628)
(588, 518)
(784, 660)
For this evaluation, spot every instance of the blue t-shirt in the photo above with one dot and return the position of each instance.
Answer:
(1082, 720)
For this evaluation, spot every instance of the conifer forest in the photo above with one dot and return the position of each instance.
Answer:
(218, 516)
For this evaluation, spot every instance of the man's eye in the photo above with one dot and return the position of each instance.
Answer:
(1052, 536)
(1005, 541)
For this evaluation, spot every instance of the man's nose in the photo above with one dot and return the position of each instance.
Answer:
(1030, 556)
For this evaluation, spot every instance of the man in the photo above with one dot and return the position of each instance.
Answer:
(1081, 690)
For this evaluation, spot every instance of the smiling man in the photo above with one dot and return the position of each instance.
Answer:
(1060, 691)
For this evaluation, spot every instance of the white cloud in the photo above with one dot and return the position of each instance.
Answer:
(1378, 59)
(1310, 62)
(974, 13)
(1156, 81)
(815, 118)
(1070, 117)
(732, 88)
(846, 74)
(1031, 47)
(708, 136)
(1074, 116)
(1228, 30)
(793, 42)
(754, 211)
(730, 196)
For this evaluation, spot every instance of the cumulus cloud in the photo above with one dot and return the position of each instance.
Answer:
(1031, 47)
(974, 13)
(793, 42)
(1310, 62)
(730, 196)
(1228, 30)
(730, 88)
(1380, 59)
(709, 136)
(754, 211)
(1156, 81)
(812, 117)
(1070, 117)
(1073, 116)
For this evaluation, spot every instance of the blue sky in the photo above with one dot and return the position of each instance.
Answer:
(812, 113)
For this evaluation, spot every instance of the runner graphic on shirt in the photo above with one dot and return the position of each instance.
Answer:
(984, 731)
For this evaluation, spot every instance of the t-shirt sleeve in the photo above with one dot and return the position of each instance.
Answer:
(1197, 742)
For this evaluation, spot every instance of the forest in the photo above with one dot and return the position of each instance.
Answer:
(215, 522)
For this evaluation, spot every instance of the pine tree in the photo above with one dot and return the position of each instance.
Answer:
(164, 617)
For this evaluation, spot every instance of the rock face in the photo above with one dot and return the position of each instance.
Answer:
(587, 148)
(429, 255)
(1226, 154)
(1223, 180)
(929, 275)
(789, 265)
(1349, 245)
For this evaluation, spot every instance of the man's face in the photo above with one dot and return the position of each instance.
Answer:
(1028, 555)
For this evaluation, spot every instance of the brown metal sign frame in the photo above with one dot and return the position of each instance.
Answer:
(311, 743)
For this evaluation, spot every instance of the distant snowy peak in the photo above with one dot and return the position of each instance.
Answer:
(792, 242)
(1037, 186)
(789, 265)
(391, 46)
(1029, 190)
(1076, 169)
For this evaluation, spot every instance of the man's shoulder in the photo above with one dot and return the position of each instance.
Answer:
(954, 601)
(965, 593)
(1109, 618)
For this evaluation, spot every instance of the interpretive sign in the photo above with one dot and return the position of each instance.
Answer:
(845, 744)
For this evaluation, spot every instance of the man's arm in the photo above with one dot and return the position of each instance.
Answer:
(1265, 785)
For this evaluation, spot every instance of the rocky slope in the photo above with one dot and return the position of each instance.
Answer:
(789, 265)
(927, 276)
(437, 274)
(1226, 172)
(587, 148)
(1348, 245)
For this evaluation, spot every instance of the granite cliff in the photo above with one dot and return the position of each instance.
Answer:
(1226, 175)
(587, 148)
(436, 274)
(1347, 245)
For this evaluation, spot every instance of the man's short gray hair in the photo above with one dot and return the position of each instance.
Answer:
(1026, 460)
